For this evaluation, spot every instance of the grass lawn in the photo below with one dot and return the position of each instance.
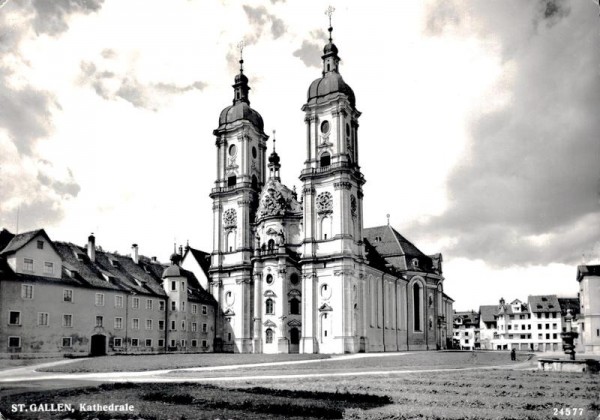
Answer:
(172, 361)
(494, 394)
(14, 363)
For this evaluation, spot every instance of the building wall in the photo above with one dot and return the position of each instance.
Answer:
(589, 325)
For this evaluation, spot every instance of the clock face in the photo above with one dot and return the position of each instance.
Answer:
(353, 205)
(324, 202)
(230, 218)
(325, 127)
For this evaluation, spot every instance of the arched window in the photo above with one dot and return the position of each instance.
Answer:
(270, 309)
(230, 244)
(271, 245)
(325, 159)
(294, 336)
(231, 181)
(417, 307)
(326, 228)
(254, 181)
(294, 306)
(269, 336)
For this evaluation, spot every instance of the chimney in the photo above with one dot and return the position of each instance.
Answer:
(91, 247)
(153, 259)
(134, 253)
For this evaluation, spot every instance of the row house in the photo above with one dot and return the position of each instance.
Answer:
(466, 330)
(58, 298)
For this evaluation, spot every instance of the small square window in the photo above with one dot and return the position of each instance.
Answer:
(118, 342)
(99, 299)
(135, 323)
(135, 303)
(43, 319)
(14, 318)
(48, 268)
(161, 305)
(204, 343)
(204, 310)
(67, 342)
(149, 304)
(135, 342)
(194, 343)
(14, 342)
(99, 321)
(148, 342)
(67, 295)
(27, 291)
(67, 320)
(118, 301)
(161, 343)
(148, 324)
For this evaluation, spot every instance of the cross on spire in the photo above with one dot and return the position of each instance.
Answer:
(274, 140)
(329, 12)
(240, 47)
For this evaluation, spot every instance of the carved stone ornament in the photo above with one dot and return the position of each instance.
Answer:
(272, 204)
(324, 202)
(353, 205)
(230, 218)
(343, 184)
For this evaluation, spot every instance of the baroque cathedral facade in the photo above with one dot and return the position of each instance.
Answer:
(296, 272)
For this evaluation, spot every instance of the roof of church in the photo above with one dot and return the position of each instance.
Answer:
(396, 249)
(203, 259)
(240, 111)
(329, 84)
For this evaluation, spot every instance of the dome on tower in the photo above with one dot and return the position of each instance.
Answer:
(330, 48)
(240, 111)
(331, 83)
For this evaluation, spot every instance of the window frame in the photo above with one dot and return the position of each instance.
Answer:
(19, 319)
(27, 291)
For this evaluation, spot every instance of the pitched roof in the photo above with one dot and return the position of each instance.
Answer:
(5, 238)
(203, 259)
(396, 249)
(487, 313)
(543, 303)
(468, 318)
(587, 270)
(20, 240)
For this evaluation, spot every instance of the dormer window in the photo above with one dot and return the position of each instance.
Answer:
(414, 263)
(114, 263)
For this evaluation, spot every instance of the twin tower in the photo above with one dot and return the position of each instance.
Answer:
(284, 269)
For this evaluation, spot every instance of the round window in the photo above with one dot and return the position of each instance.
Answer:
(232, 150)
(269, 279)
(325, 127)
(254, 152)
(229, 298)
(294, 278)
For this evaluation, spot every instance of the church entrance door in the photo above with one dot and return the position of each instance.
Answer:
(294, 340)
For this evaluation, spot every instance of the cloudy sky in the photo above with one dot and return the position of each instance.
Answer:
(480, 133)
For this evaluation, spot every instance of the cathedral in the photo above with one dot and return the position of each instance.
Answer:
(296, 271)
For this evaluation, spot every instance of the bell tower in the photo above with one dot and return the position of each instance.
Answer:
(332, 251)
(241, 173)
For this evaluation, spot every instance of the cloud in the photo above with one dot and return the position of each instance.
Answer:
(529, 190)
(259, 18)
(114, 85)
(30, 184)
(309, 53)
(52, 17)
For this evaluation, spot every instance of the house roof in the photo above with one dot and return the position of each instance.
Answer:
(543, 303)
(19, 241)
(396, 249)
(487, 313)
(468, 318)
(587, 270)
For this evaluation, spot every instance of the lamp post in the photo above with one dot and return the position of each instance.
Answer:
(568, 336)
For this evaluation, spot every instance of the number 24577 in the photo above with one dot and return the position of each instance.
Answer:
(568, 411)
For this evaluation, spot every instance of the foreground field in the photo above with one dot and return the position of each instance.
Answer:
(173, 361)
(13, 363)
(493, 394)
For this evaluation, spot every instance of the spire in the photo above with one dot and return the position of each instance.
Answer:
(330, 52)
(241, 87)
(274, 164)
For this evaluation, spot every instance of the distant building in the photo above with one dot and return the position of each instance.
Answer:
(466, 330)
(534, 325)
(588, 277)
(57, 298)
